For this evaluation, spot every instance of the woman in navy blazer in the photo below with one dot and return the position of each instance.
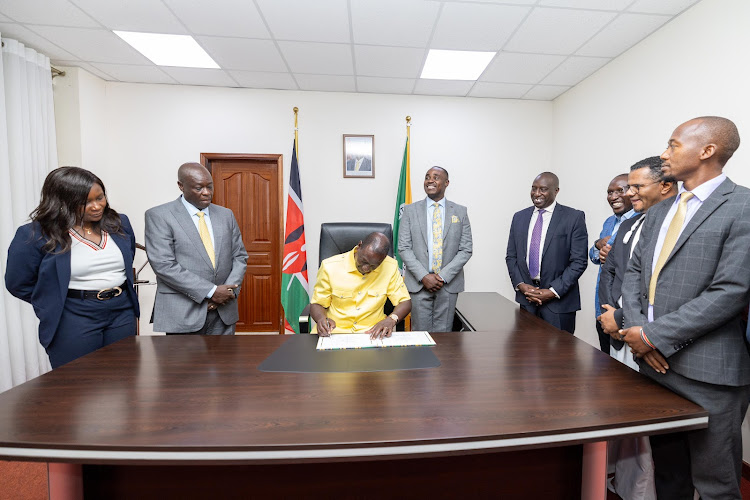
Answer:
(66, 243)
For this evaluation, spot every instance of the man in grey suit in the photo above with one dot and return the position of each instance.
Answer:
(195, 249)
(683, 292)
(434, 242)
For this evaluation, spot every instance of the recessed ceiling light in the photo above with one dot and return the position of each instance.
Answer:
(169, 50)
(455, 64)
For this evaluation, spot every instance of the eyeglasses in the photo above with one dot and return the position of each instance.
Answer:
(637, 187)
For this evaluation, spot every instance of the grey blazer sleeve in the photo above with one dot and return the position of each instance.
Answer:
(239, 257)
(633, 314)
(407, 228)
(465, 249)
(607, 277)
(159, 248)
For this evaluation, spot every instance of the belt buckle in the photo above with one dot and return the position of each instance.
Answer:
(113, 292)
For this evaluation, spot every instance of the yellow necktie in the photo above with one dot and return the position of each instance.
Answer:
(206, 238)
(437, 239)
(673, 232)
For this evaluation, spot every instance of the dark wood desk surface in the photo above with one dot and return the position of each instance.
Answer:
(483, 311)
(197, 399)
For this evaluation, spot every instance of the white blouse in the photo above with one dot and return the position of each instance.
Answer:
(95, 267)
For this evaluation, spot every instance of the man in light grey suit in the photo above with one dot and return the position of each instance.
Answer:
(195, 249)
(434, 242)
(683, 292)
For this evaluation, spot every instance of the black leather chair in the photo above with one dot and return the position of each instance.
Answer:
(340, 237)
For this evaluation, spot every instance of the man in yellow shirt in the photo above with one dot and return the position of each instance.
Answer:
(351, 289)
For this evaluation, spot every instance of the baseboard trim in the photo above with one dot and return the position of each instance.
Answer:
(745, 470)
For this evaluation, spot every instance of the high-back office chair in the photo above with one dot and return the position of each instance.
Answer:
(340, 237)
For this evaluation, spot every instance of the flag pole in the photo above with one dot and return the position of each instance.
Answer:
(296, 132)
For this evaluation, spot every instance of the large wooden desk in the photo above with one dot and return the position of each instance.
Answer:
(505, 414)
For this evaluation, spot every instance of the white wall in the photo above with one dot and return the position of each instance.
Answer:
(696, 65)
(134, 137)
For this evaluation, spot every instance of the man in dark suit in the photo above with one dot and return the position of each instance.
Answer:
(647, 186)
(195, 249)
(684, 289)
(547, 254)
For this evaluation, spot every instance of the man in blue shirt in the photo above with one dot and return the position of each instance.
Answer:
(623, 210)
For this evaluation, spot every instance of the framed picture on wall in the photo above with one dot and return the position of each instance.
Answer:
(359, 156)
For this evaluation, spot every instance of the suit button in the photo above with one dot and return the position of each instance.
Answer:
(645, 296)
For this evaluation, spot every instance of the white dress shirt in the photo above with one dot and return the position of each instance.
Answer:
(193, 211)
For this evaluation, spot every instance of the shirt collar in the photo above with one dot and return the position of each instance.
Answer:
(192, 210)
(703, 191)
(430, 202)
(549, 209)
(629, 214)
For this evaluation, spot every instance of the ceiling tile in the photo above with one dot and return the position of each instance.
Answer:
(475, 26)
(318, 58)
(662, 6)
(443, 87)
(398, 62)
(259, 80)
(4, 19)
(588, 4)
(56, 12)
(92, 45)
(237, 18)
(621, 34)
(133, 15)
(199, 76)
(315, 21)
(385, 85)
(574, 69)
(557, 31)
(326, 83)
(135, 74)
(393, 22)
(243, 53)
(34, 41)
(520, 68)
(86, 66)
(499, 90)
(514, 2)
(545, 92)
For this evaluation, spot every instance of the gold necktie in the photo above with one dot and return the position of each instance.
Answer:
(206, 237)
(437, 239)
(670, 240)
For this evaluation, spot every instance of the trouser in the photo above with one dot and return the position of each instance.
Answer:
(563, 321)
(433, 312)
(603, 338)
(213, 326)
(89, 324)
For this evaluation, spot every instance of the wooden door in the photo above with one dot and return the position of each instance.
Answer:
(250, 185)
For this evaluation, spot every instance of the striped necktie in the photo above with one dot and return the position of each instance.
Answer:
(673, 232)
(206, 238)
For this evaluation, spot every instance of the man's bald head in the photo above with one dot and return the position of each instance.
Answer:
(196, 184)
(371, 252)
(378, 243)
(551, 178)
(719, 131)
(190, 168)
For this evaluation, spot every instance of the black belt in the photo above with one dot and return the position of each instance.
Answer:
(106, 294)
(536, 283)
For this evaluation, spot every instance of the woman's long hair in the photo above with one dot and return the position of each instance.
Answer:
(64, 196)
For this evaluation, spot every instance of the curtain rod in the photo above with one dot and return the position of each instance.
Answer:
(55, 71)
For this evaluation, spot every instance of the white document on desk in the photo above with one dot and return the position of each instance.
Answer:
(362, 341)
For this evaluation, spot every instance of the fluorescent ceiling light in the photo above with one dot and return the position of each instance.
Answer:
(455, 64)
(169, 50)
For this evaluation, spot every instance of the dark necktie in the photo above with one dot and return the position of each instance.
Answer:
(534, 247)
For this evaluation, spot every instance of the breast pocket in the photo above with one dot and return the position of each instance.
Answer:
(341, 298)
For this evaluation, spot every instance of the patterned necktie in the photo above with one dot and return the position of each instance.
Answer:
(673, 232)
(536, 243)
(437, 239)
(206, 237)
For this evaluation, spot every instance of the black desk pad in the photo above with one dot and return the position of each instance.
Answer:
(298, 355)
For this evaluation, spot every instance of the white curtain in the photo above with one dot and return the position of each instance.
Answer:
(28, 151)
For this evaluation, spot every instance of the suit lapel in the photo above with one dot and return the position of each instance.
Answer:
(525, 220)
(554, 224)
(450, 211)
(218, 229)
(714, 201)
(421, 208)
(189, 229)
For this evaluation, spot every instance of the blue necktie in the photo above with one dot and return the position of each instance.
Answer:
(536, 242)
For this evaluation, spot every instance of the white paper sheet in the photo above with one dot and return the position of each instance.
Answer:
(362, 340)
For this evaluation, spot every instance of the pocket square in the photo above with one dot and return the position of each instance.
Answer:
(454, 219)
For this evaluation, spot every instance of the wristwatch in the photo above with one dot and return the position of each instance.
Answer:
(394, 317)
